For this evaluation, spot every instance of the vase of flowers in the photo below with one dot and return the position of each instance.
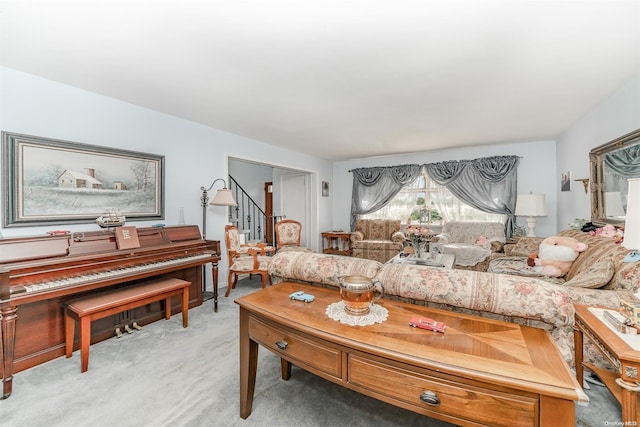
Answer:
(419, 238)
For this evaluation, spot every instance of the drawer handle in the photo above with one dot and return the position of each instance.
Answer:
(429, 398)
(282, 345)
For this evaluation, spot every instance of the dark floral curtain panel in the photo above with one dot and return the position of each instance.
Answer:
(374, 187)
(488, 184)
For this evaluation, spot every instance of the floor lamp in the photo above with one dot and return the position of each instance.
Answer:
(531, 205)
(632, 224)
(223, 197)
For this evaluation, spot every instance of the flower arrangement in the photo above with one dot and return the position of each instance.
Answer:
(418, 236)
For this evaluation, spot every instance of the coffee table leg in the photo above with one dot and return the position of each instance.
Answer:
(248, 365)
(285, 366)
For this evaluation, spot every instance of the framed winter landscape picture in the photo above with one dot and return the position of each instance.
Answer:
(48, 181)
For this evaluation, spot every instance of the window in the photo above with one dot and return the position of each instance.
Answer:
(426, 202)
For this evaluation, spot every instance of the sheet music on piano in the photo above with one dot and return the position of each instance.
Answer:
(39, 273)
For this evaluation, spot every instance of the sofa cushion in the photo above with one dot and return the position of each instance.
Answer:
(502, 294)
(595, 276)
(512, 265)
(626, 274)
(517, 265)
(322, 269)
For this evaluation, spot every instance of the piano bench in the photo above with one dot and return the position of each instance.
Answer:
(98, 306)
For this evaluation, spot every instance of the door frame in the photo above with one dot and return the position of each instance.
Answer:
(312, 194)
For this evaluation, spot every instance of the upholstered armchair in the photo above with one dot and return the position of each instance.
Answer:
(472, 243)
(377, 239)
(288, 233)
(244, 259)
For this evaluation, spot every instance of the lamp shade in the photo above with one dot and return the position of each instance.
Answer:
(531, 205)
(224, 198)
(632, 224)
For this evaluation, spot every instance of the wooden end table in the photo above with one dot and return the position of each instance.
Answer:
(336, 242)
(625, 384)
(479, 372)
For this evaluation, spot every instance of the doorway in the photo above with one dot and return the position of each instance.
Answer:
(294, 202)
(293, 192)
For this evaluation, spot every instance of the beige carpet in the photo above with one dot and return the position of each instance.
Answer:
(165, 375)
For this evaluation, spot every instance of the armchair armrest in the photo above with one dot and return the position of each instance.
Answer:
(357, 236)
(398, 236)
(253, 252)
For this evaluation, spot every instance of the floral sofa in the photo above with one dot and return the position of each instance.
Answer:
(518, 299)
(601, 266)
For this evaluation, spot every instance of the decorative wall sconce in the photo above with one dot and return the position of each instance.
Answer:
(223, 197)
(585, 182)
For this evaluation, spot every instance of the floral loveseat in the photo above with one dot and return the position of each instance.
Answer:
(518, 299)
(462, 240)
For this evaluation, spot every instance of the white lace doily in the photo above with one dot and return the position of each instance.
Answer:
(377, 314)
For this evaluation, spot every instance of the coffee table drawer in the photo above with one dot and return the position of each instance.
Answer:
(463, 401)
(297, 349)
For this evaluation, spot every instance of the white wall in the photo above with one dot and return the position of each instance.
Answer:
(535, 174)
(617, 115)
(194, 154)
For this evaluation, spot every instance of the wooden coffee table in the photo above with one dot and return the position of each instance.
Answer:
(480, 371)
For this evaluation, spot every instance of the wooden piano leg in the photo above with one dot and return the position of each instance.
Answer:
(8, 330)
(69, 333)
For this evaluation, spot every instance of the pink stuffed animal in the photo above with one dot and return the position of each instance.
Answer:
(606, 231)
(555, 256)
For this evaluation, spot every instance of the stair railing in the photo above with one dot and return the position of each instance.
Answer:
(247, 215)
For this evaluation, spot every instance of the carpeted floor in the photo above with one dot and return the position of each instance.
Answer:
(166, 375)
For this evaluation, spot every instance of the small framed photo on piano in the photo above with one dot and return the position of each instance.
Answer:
(48, 181)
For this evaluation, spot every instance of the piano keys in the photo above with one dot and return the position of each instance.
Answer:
(39, 273)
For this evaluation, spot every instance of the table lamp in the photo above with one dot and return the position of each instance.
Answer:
(632, 224)
(531, 205)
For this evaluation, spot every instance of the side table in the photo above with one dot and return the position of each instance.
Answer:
(336, 242)
(623, 384)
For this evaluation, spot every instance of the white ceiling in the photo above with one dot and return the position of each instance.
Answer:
(339, 79)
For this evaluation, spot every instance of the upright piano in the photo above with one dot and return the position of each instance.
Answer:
(39, 273)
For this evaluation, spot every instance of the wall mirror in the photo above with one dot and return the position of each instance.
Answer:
(611, 165)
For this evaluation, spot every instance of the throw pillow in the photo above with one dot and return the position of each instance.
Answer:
(595, 276)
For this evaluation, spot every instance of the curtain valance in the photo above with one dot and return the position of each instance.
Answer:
(488, 184)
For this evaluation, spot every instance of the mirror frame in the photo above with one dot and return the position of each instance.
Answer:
(596, 161)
